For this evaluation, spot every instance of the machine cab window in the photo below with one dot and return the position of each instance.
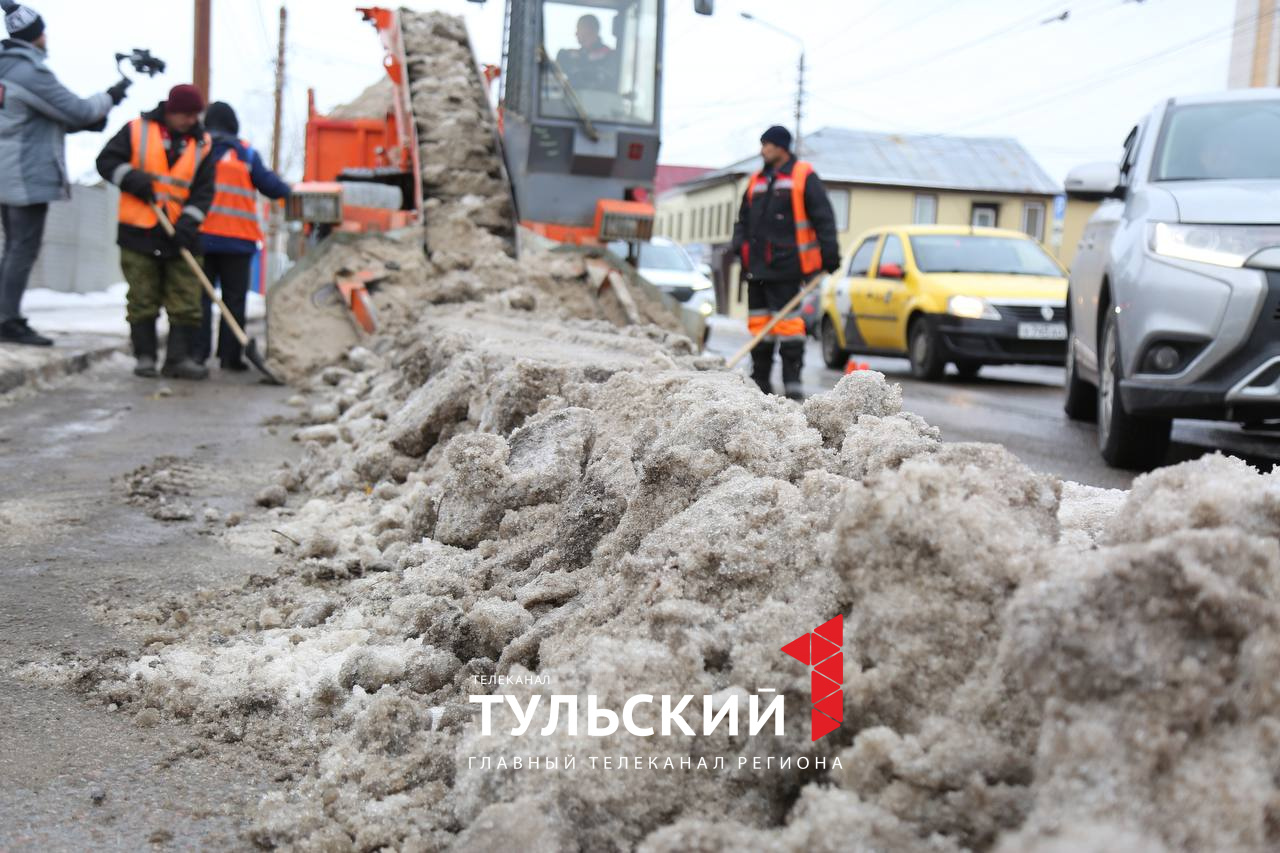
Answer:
(600, 60)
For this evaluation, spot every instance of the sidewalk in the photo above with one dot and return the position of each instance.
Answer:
(86, 328)
(72, 353)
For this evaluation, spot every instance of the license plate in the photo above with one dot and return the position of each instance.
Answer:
(1042, 331)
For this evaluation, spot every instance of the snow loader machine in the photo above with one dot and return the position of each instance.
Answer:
(577, 118)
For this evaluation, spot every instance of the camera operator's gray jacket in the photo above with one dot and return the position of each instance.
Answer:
(36, 113)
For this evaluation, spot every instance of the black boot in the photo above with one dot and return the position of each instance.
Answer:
(792, 354)
(762, 365)
(16, 331)
(144, 348)
(178, 363)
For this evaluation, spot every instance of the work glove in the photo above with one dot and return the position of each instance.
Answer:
(117, 91)
(831, 263)
(186, 233)
(140, 185)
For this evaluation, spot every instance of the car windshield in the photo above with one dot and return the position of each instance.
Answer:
(974, 253)
(657, 257)
(1234, 141)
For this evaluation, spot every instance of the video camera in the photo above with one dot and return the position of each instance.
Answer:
(142, 61)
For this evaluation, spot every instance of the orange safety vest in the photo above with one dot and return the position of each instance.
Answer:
(172, 183)
(806, 237)
(235, 201)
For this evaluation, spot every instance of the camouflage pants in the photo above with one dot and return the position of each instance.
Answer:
(156, 283)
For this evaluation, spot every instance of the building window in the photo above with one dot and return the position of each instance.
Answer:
(985, 215)
(840, 204)
(679, 235)
(926, 210)
(1033, 219)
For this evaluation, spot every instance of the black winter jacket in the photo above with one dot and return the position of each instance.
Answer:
(767, 229)
(117, 155)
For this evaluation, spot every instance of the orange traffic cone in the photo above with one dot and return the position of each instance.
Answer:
(855, 365)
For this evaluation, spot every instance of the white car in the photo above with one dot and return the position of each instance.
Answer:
(667, 266)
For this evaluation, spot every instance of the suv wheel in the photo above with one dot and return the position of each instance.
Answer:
(832, 355)
(1126, 441)
(1081, 399)
(925, 351)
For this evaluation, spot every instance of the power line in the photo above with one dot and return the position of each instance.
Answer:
(262, 26)
(778, 101)
(1105, 76)
(868, 15)
(1033, 20)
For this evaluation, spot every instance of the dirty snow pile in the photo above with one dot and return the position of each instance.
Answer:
(501, 493)
(505, 486)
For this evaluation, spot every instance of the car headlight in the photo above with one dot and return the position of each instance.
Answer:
(1221, 245)
(972, 307)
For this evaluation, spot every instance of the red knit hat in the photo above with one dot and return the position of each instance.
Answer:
(184, 99)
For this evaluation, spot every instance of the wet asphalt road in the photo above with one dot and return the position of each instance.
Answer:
(74, 774)
(1021, 408)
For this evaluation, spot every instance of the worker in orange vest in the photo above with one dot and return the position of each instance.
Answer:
(232, 233)
(786, 234)
(162, 157)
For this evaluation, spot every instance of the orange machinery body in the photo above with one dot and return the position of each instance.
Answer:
(615, 220)
(334, 146)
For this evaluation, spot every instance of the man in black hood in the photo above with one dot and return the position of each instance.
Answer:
(232, 233)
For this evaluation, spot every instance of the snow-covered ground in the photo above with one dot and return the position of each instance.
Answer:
(100, 312)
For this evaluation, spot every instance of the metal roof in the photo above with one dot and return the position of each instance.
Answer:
(913, 160)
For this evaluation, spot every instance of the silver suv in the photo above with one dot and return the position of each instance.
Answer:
(1174, 301)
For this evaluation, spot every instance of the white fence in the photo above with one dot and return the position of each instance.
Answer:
(80, 253)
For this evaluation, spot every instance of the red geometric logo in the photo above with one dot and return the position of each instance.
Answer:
(823, 651)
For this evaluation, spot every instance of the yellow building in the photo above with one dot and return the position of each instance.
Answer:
(880, 179)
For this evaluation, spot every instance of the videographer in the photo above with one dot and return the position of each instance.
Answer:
(36, 113)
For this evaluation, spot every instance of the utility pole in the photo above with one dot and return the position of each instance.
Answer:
(275, 138)
(1263, 48)
(800, 105)
(273, 218)
(200, 75)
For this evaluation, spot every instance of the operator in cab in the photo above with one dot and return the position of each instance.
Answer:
(594, 65)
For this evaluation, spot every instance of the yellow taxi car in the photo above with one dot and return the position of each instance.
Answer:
(942, 294)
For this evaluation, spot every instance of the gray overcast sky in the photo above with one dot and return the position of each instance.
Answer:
(1068, 90)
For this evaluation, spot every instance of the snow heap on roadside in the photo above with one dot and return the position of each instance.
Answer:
(521, 495)
(509, 487)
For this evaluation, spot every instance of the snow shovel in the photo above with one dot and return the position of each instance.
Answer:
(777, 318)
(249, 344)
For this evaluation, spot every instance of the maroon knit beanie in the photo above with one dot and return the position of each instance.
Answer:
(184, 99)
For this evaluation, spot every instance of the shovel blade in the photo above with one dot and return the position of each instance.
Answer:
(256, 359)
